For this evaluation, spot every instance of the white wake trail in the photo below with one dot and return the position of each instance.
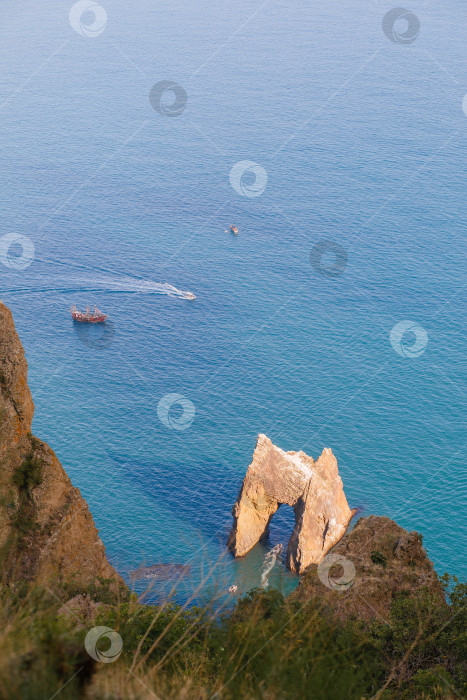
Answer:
(268, 565)
(113, 281)
(108, 284)
(131, 284)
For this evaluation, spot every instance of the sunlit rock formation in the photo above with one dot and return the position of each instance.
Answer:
(313, 489)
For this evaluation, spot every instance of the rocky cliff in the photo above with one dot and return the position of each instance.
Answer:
(371, 565)
(313, 489)
(47, 533)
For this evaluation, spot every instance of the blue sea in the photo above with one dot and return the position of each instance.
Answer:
(335, 318)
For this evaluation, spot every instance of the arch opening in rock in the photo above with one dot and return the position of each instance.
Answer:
(313, 489)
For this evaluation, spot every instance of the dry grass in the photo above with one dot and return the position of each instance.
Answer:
(263, 649)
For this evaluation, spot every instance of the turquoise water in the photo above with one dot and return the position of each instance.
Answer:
(363, 142)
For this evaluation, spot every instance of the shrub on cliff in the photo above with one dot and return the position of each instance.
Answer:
(275, 648)
(265, 647)
(39, 652)
(425, 640)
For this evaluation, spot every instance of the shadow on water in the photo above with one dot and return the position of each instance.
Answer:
(204, 496)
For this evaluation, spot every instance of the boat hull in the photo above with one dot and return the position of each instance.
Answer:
(90, 320)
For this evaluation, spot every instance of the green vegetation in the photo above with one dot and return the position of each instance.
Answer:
(378, 558)
(103, 590)
(21, 510)
(28, 474)
(26, 477)
(264, 648)
(4, 386)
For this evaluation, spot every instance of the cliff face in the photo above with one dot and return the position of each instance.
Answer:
(377, 561)
(313, 489)
(46, 530)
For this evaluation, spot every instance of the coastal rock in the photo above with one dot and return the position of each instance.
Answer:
(82, 610)
(47, 533)
(384, 561)
(313, 489)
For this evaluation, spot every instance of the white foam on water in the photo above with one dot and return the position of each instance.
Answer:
(132, 284)
(112, 281)
(268, 565)
(109, 284)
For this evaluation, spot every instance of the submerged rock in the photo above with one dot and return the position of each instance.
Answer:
(313, 489)
(47, 533)
(163, 572)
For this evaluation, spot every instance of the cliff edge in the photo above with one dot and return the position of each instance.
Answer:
(372, 565)
(47, 533)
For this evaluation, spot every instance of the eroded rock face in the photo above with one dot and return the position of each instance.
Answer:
(387, 562)
(46, 530)
(313, 489)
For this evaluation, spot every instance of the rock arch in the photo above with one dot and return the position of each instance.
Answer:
(313, 489)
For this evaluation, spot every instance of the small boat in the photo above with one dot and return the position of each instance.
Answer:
(274, 552)
(234, 229)
(88, 316)
(190, 295)
(233, 589)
